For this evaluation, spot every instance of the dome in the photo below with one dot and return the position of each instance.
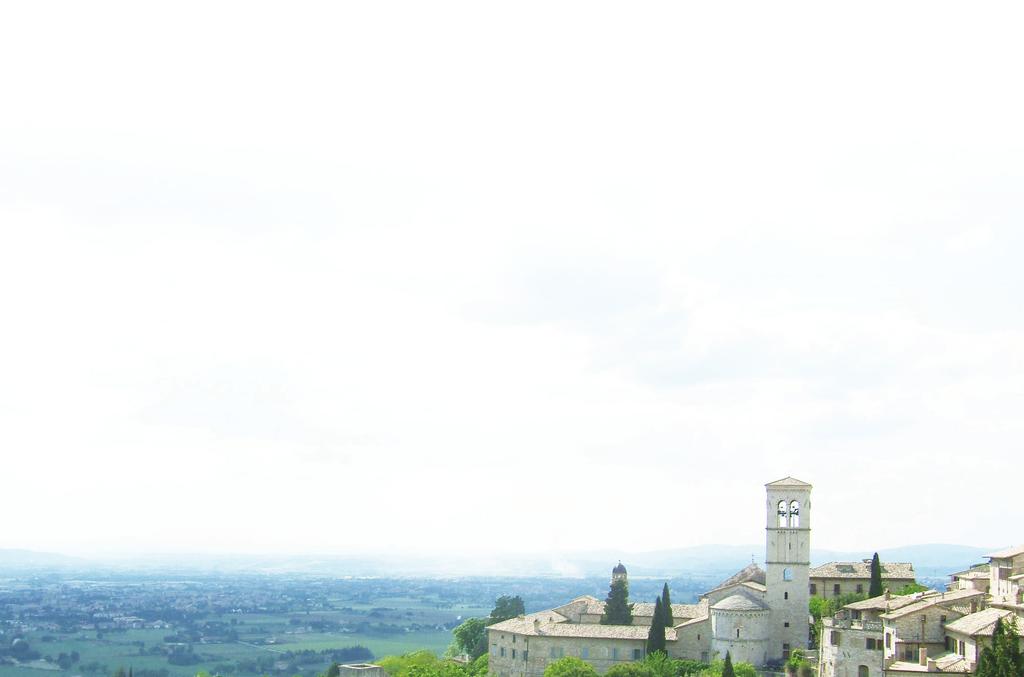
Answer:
(739, 602)
(619, 570)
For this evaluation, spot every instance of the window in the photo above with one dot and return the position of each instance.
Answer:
(615, 653)
(947, 643)
(698, 638)
(783, 514)
(585, 652)
(814, 589)
(860, 588)
(962, 652)
(942, 619)
(526, 654)
(870, 644)
(638, 654)
(785, 595)
(513, 653)
(862, 671)
(513, 639)
(888, 641)
(785, 651)
(703, 656)
(786, 624)
(557, 652)
(794, 515)
(737, 633)
(835, 638)
(835, 590)
(494, 649)
(787, 574)
(502, 652)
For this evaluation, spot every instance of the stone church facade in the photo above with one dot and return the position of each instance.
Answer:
(758, 616)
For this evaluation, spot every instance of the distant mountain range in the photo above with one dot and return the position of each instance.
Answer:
(705, 561)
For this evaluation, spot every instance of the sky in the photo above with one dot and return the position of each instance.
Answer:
(508, 277)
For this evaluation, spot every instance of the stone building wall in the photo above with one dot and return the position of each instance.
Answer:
(513, 655)
(905, 635)
(845, 647)
(743, 634)
(693, 641)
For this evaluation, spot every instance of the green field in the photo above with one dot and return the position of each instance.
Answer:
(270, 636)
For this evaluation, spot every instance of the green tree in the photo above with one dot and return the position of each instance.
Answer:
(656, 635)
(480, 666)
(798, 665)
(629, 670)
(875, 589)
(685, 667)
(570, 666)
(470, 638)
(660, 665)
(911, 588)
(404, 665)
(617, 609)
(666, 607)
(506, 607)
(744, 669)
(334, 670)
(727, 669)
(1002, 658)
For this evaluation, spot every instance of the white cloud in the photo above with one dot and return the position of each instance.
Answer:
(343, 277)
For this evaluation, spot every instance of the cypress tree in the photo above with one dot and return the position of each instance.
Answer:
(876, 577)
(617, 609)
(666, 607)
(656, 635)
(1003, 657)
(727, 670)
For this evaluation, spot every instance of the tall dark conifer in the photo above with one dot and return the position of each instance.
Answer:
(876, 577)
(656, 635)
(1003, 656)
(666, 607)
(617, 609)
(727, 669)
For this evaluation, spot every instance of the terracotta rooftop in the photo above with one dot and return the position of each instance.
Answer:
(981, 623)
(862, 569)
(1007, 553)
(893, 603)
(526, 625)
(750, 573)
(678, 610)
(927, 601)
(739, 602)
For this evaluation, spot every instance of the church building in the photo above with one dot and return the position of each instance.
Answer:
(757, 615)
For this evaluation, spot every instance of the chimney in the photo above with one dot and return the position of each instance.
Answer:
(886, 594)
(536, 625)
(922, 657)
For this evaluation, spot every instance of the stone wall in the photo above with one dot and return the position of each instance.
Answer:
(528, 656)
(844, 648)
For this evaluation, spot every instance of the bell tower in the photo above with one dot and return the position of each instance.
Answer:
(787, 564)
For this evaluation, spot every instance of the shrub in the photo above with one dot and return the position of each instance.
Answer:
(570, 667)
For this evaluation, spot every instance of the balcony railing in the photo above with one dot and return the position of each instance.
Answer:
(852, 624)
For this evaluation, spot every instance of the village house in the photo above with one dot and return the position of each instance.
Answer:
(929, 632)
(758, 615)
(840, 578)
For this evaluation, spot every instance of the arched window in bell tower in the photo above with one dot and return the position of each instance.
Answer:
(794, 514)
(783, 515)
